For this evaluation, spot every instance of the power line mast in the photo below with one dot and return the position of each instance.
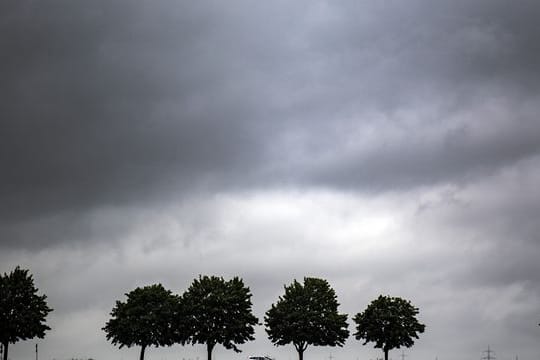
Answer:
(490, 354)
(403, 356)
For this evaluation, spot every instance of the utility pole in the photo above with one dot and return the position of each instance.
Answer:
(490, 354)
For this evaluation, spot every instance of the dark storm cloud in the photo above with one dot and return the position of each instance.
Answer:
(472, 65)
(458, 43)
(114, 103)
(103, 102)
(453, 156)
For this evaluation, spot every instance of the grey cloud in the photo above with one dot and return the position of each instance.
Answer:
(92, 101)
(120, 102)
(438, 46)
(414, 159)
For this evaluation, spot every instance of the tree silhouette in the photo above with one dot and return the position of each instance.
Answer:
(219, 312)
(148, 317)
(389, 322)
(22, 310)
(307, 315)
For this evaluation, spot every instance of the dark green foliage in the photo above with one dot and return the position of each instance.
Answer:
(307, 314)
(145, 319)
(220, 312)
(389, 322)
(22, 310)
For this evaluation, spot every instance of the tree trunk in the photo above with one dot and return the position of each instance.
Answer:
(300, 354)
(5, 350)
(143, 347)
(209, 348)
(385, 354)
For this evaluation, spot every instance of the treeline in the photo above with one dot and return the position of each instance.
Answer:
(216, 311)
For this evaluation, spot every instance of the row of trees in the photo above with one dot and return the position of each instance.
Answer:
(212, 311)
(215, 311)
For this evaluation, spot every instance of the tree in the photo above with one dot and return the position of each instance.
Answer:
(389, 322)
(22, 310)
(146, 318)
(219, 312)
(307, 314)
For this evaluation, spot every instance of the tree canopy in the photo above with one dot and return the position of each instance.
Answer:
(389, 322)
(145, 319)
(22, 310)
(219, 313)
(307, 314)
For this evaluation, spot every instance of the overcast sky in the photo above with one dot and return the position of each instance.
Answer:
(390, 147)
